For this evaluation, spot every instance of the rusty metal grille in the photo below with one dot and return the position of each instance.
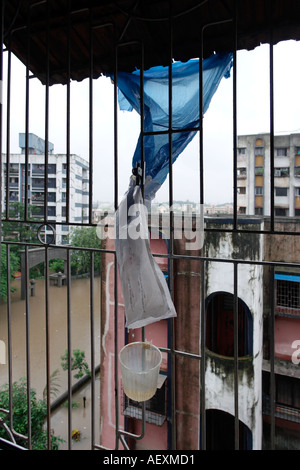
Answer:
(40, 229)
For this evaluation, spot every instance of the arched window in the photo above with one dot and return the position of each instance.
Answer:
(220, 325)
(220, 432)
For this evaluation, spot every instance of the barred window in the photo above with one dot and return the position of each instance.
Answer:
(288, 294)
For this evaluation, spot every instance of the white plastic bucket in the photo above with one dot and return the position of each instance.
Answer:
(140, 364)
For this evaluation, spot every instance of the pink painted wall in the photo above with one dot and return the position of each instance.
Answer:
(187, 304)
(287, 330)
(107, 370)
(156, 436)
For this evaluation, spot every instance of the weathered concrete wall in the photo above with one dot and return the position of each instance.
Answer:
(220, 278)
(284, 248)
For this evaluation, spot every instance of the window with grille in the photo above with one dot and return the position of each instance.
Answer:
(281, 191)
(287, 295)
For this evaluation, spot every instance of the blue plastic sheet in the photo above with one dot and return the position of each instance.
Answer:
(146, 294)
(185, 106)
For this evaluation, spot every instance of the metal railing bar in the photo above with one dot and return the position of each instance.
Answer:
(124, 443)
(27, 115)
(9, 337)
(120, 432)
(236, 356)
(102, 25)
(42, 221)
(8, 31)
(8, 431)
(177, 352)
(271, 84)
(231, 260)
(1, 108)
(69, 341)
(272, 358)
(92, 339)
(142, 121)
(28, 368)
(173, 130)
(166, 18)
(60, 247)
(7, 445)
(142, 130)
(91, 146)
(100, 447)
(47, 333)
(234, 112)
(116, 149)
(12, 432)
(257, 232)
(209, 230)
(131, 15)
(68, 113)
(174, 256)
(132, 435)
(37, 24)
(7, 133)
(202, 356)
(116, 351)
(171, 222)
(202, 336)
(47, 113)
(239, 261)
(202, 423)
(116, 343)
(201, 137)
(128, 21)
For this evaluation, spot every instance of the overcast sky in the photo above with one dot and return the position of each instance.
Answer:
(252, 112)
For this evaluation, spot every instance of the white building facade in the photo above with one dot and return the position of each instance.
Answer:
(78, 200)
(253, 175)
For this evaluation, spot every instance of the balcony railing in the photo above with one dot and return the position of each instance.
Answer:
(52, 311)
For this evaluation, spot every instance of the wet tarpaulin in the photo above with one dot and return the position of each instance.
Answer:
(185, 107)
(146, 294)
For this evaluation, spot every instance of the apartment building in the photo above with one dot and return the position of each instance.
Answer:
(253, 175)
(251, 372)
(14, 188)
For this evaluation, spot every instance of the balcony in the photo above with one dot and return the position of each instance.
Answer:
(241, 173)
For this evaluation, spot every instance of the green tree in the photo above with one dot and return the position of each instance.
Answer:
(14, 266)
(16, 229)
(84, 237)
(20, 416)
(57, 265)
(78, 363)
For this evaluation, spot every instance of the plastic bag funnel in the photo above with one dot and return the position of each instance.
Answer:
(140, 364)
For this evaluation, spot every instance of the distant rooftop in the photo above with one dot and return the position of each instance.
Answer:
(36, 145)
